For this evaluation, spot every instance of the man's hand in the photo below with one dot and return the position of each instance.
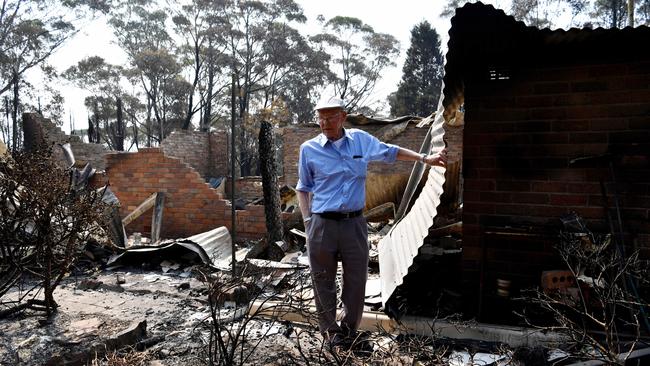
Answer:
(439, 159)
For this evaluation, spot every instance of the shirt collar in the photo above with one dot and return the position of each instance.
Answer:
(322, 140)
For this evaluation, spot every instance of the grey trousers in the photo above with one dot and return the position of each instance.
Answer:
(328, 239)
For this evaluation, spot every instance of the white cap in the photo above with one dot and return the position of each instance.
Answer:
(330, 102)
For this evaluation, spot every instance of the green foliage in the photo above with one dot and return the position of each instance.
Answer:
(419, 90)
(359, 56)
(102, 80)
(142, 31)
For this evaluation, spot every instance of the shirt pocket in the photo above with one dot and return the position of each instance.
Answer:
(359, 167)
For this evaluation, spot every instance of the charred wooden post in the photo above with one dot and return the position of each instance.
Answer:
(156, 218)
(270, 183)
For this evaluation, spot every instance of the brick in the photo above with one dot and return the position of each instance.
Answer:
(569, 175)
(548, 163)
(590, 212)
(530, 101)
(495, 197)
(572, 125)
(518, 186)
(479, 185)
(478, 208)
(513, 209)
(538, 198)
(549, 138)
(549, 187)
(568, 200)
(629, 136)
(551, 88)
(587, 137)
(592, 188)
(639, 123)
(548, 113)
(487, 174)
(589, 86)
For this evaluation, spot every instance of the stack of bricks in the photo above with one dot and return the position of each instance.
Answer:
(520, 137)
(206, 152)
(191, 206)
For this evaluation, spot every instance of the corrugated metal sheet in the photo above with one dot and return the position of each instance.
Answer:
(398, 248)
(213, 247)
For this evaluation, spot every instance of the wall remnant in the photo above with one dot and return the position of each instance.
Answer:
(536, 101)
(206, 152)
(191, 206)
(83, 152)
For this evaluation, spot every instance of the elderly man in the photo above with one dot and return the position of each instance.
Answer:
(331, 194)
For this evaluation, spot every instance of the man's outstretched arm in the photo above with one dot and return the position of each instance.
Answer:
(439, 159)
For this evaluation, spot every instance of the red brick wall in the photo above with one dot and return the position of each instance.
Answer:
(208, 156)
(521, 134)
(191, 206)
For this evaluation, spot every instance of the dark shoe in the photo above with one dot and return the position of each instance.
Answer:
(339, 342)
(361, 344)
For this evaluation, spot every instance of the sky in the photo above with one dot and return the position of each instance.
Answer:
(396, 17)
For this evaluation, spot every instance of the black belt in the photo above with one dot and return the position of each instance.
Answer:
(333, 215)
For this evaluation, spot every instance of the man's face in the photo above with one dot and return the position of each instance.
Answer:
(331, 122)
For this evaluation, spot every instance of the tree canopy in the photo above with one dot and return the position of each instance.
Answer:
(359, 55)
(419, 90)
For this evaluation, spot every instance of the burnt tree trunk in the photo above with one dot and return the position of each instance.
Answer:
(119, 132)
(270, 183)
(14, 113)
(96, 129)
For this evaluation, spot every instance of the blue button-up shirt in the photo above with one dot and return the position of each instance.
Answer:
(336, 176)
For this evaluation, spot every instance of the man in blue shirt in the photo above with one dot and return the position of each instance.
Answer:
(331, 192)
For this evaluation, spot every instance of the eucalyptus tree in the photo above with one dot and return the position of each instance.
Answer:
(359, 55)
(610, 13)
(106, 100)
(30, 32)
(201, 26)
(141, 30)
(267, 56)
(536, 13)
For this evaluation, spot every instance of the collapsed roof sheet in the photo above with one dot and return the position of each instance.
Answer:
(400, 246)
(213, 247)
